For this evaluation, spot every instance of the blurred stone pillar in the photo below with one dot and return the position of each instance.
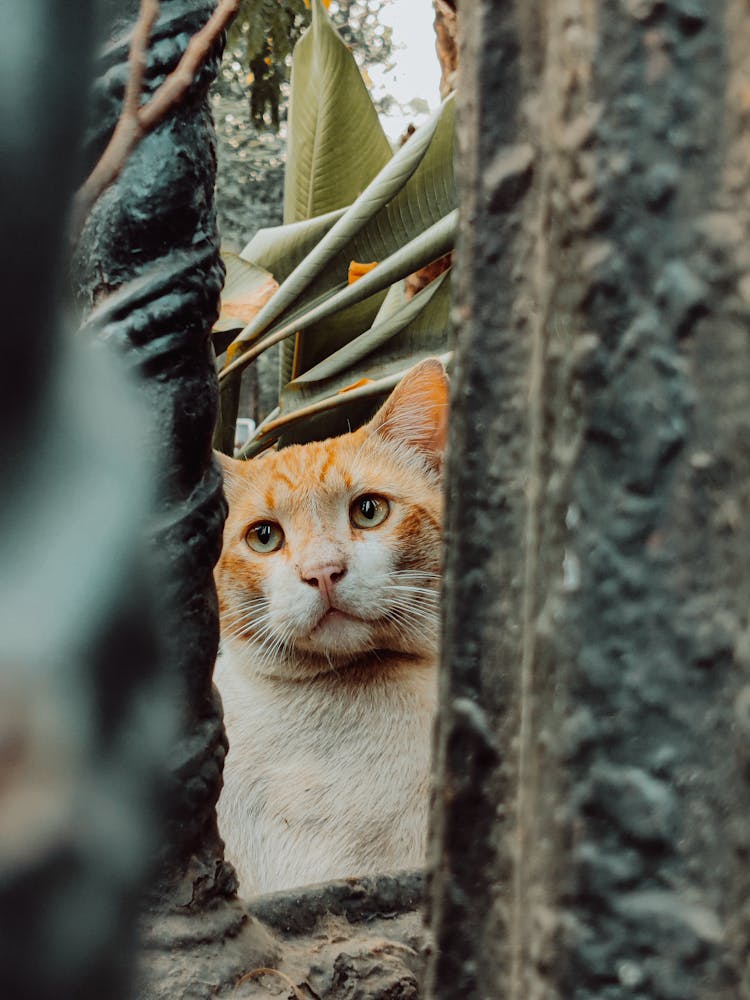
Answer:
(590, 836)
(84, 711)
(148, 266)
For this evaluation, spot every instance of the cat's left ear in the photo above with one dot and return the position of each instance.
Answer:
(231, 470)
(416, 412)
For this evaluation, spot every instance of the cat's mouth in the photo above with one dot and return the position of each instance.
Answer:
(334, 623)
(335, 615)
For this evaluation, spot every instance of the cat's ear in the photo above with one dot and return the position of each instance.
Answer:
(416, 412)
(231, 470)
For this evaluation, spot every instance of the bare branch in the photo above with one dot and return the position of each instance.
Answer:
(127, 132)
(136, 120)
(177, 84)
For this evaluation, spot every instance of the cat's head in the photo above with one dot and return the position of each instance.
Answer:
(332, 549)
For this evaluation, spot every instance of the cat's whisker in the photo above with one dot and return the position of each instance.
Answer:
(418, 593)
(250, 608)
(274, 643)
(407, 632)
(411, 623)
(406, 588)
(242, 630)
(419, 604)
(427, 611)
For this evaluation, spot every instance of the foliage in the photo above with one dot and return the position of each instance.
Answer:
(261, 40)
(347, 199)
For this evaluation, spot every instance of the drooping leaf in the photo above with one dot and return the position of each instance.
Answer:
(412, 330)
(247, 288)
(418, 328)
(279, 249)
(327, 263)
(411, 313)
(427, 246)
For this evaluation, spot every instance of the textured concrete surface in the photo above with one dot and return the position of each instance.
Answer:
(605, 847)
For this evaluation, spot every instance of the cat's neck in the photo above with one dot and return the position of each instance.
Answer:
(375, 665)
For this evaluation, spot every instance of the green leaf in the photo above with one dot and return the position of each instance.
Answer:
(279, 249)
(336, 141)
(428, 194)
(371, 395)
(247, 288)
(360, 234)
(426, 247)
(396, 316)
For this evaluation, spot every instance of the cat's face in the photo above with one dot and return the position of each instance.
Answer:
(332, 549)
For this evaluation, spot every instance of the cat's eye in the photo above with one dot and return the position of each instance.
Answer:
(369, 511)
(265, 536)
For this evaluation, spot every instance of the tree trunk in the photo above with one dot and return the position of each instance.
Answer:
(590, 826)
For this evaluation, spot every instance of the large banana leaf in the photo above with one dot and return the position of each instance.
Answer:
(412, 193)
(426, 247)
(336, 142)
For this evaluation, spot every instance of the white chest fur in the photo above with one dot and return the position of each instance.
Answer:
(325, 777)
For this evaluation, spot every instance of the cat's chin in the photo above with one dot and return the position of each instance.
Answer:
(337, 634)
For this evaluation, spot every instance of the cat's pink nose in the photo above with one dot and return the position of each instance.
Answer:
(324, 578)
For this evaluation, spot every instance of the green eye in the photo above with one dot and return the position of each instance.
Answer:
(369, 511)
(265, 536)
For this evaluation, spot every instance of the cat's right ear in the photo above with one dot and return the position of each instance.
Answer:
(231, 470)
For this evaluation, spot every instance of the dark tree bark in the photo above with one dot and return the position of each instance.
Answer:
(590, 830)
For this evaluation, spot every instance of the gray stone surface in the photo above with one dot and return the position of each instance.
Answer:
(148, 262)
(597, 572)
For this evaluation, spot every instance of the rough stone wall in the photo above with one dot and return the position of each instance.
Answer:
(474, 807)
(602, 323)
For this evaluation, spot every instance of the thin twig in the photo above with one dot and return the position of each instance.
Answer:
(127, 132)
(137, 120)
(179, 81)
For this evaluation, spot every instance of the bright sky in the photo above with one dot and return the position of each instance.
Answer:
(416, 73)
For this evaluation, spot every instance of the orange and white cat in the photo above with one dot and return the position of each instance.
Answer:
(328, 589)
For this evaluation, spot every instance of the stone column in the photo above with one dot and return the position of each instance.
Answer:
(590, 834)
(148, 266)
(83, 704)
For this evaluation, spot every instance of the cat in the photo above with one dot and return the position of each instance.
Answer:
(328, 587)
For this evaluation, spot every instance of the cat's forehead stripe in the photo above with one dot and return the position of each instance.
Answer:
(282, 477)
(328, 459)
